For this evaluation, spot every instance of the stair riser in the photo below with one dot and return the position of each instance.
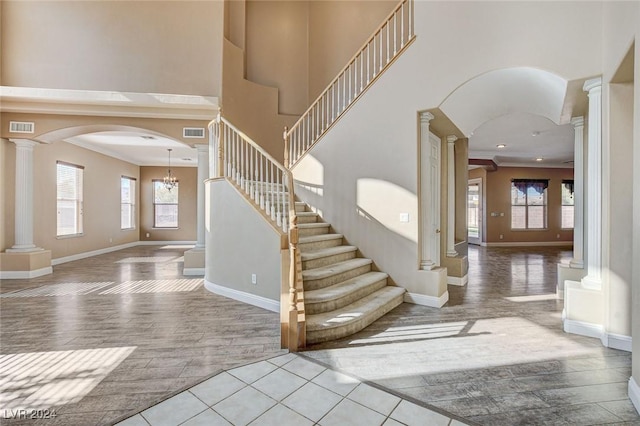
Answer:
(301, 207)
(307, 232)
(320, 336)
(335, 279)
(307, 219)
(318, 308)
(315, 245)
(326, 261)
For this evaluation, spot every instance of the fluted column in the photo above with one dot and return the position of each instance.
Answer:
(426, 195)
(451, 196)
(203, 174)
(594, 185)
(578, 194)
(24, 197)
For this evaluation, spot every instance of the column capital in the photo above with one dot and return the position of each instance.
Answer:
(577, 121)
(451, 139)
(592, 84)
(202, 147)
(426, 117)
(25, 143)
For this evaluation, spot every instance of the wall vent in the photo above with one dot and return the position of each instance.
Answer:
(22, 127)
(193, 132)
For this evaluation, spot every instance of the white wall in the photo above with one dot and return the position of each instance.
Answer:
(377, 138)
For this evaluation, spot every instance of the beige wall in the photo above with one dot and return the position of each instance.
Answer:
(498, 199)
(101, 204)
(241, 242)
(187, 204)
(131, 46)
(337, 29)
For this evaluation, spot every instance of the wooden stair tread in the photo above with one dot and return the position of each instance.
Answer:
(325, 252)
(336, 268)
(344, 288)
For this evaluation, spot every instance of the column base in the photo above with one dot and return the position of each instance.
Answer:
(194, 261)
(432, 290)
(577, 264)
(452, 253)
(27, 248)
(567, 273)
(25, 264)
(427, 265)
(591, 282)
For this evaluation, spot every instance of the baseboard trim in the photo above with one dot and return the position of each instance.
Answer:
(619, 341)
(241, 296)
(106, 250)
(424, 300)
(634, 393)
(530, 244)
(458, 281)
(609, 340)
(21, 275)
(193, 271)
(582, 328)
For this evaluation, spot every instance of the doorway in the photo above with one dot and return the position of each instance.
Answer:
(474, 211)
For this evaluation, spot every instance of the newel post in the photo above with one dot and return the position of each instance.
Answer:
(293, 292)
(285, 135)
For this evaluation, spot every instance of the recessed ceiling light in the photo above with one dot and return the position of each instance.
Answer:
(535, 133)
(539, 159)
(501, 145)
(187, 159)
(148, 137)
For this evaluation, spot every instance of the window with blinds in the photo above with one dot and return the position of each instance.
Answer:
(127, 203)
(567, 204)
(529, 203)
(69, 198)
(165, 205)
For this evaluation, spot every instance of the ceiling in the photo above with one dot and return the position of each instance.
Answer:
(523, 108)
(142, 149)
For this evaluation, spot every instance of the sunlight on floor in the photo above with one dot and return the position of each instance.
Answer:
(427, 331)
(533, 298)
(155, 286)
(40, 380)
(62, 289)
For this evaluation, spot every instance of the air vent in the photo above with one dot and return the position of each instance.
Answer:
(21, 127)
(193, 132)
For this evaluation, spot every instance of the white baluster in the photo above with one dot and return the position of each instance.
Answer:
(402, 26)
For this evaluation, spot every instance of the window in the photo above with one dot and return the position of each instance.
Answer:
(567, 204)
(529, 203)
(127, 203)
(165, 205)
(69, 198)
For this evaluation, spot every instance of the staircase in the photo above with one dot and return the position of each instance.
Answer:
(343, 293)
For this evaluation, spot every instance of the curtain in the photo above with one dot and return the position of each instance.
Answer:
(569, 185)
(538, 185)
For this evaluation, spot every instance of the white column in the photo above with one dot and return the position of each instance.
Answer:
(203, 174)
(426, 257)
(451, 196)
(594, 185)
(24, 197)
(578, 194)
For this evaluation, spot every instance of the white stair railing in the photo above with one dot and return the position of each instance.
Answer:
(377, 53)
(262, 178)
(270, 186)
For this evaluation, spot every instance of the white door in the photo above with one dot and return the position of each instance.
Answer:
(474, 211)
(434, 170)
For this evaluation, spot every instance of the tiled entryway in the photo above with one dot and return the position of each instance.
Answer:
(286, 390)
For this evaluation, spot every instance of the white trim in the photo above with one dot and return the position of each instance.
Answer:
(634, 393)
(107, 103)
(583, 328)
(458, 281)
(19, 275)
(106, 250)
(618, 341)
(241, 296)
(424, 300)
(193, 271)
(529, 244)
(559, 292)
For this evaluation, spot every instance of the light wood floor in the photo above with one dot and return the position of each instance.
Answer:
(496, 354)
(111, 335)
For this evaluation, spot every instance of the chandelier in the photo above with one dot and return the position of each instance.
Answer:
(170, 180)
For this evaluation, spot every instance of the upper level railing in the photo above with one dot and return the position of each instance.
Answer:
(377, 53)
(270, 186)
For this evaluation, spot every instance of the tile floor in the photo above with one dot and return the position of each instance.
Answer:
(286, 390)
